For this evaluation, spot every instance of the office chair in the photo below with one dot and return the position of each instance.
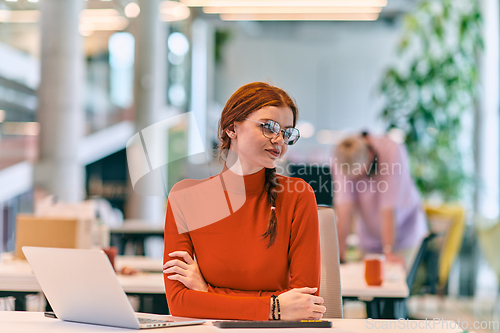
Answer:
(410, 279)
(448, 220)
(330, 269)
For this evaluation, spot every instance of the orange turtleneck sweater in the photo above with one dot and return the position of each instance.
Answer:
(220, 221)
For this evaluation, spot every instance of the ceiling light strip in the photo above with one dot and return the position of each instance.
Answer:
(289, 10)
(19, 16)
(99, 12)
(173, 11)
(285, 3)
(299, 17)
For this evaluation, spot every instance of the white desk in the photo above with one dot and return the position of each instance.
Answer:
(385, 301)
(16, 276)
(17, 279)
(35, 322)
(138, 227)
(353, 284)
(352, 278)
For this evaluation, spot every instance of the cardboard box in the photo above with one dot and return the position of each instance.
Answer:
(59, 232)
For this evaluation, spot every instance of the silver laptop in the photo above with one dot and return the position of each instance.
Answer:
(81, 286)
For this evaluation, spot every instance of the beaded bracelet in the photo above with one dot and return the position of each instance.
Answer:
(274, 306)
(279, 311)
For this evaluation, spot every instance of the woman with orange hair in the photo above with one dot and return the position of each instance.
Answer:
(257, 254)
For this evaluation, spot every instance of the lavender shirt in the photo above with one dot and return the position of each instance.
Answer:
(391, 187)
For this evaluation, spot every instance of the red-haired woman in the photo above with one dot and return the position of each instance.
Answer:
(254, 233)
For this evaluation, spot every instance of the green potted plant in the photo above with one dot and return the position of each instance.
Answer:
(432, 91)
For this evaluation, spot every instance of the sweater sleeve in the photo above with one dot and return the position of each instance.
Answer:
(197, 304)
(304, 253)
(246, 293)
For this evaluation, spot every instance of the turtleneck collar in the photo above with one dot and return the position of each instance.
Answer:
(253, 183)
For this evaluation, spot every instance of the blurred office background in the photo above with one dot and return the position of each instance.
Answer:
(79, 78)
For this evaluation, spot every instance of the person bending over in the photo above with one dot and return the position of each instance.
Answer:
(373, 180)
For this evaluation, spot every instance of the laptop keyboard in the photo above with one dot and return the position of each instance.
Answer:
(150, 321)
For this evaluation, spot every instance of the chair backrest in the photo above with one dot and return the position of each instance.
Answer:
(330, 266)
(449, 221)
(410, 279)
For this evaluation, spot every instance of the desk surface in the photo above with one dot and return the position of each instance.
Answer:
(353, 284)
(29, 322)
(138, 227)
(352, 277)
(16, 275)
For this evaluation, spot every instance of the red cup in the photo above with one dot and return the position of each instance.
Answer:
(374, 264)
(111, 252)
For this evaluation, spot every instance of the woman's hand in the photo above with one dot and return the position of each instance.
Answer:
(187, 272)
(300, 303)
